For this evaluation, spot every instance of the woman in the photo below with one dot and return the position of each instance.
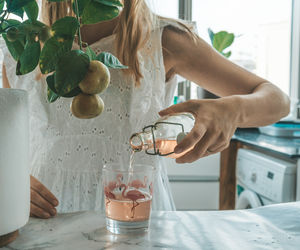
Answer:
(67, 154)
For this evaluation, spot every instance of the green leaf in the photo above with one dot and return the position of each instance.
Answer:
(211, 35)
(70, 71)
(10, 23)
(110, 61)
(15, 5)
(110, 2)
(30, 57)
(81, 6)
(92, 55)
(32, 10)
(56, 0)
(51, 96)
(73, 92)
(1, 4)
(35, 23)
(65, 27)
(227, 55)
(51, 82)
(15, 48)
(52, 51)
(96, 12)
(18, 12)
(222, 40)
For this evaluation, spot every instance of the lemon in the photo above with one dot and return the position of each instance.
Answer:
(87, 106)
(96, 79)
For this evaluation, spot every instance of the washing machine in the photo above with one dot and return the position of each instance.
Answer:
(263, 179)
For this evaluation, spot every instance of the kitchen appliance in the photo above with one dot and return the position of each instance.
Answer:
(282, 129)
(14, 172)
(263, 180)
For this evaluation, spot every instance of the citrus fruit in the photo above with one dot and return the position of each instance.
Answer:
(87, 106)
(96, 79)
(12, 34)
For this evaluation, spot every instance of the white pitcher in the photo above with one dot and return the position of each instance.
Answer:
(14, 162)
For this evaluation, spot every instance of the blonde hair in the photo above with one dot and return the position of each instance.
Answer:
(52, 11)
(132, 31)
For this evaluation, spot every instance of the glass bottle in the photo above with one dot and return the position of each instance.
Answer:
(162, 137)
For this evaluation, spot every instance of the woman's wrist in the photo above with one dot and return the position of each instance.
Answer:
(233, 109)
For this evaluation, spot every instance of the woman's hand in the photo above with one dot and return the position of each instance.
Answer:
(215, 123)
(43, 202)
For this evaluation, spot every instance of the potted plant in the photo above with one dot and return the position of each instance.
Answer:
(220, 41)
(70, 73)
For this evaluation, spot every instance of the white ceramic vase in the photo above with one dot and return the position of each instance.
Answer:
(14, 162)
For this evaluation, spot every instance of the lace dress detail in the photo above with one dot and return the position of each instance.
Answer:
(67, 154)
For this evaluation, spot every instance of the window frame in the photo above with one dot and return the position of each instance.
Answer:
(295, 53)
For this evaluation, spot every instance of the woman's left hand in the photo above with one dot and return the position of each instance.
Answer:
(215, 123)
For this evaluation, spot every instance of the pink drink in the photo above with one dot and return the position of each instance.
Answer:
(128, 197)
(124, 209)
(164, 146)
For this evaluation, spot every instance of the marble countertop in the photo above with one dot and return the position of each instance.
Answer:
(289, 147)
(270, 227)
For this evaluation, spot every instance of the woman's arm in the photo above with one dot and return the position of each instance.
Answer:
(5, 81)
(246, 100)
(259, 101)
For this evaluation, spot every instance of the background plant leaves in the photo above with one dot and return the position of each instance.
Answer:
(222, 40)
(211, 35)
(227, 55)
(110, 61)
(70, 71)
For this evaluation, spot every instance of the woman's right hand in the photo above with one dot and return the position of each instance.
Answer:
(42, 201)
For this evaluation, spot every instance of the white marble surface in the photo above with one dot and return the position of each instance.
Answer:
(272, 227)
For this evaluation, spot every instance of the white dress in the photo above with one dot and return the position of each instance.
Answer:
(67, 154)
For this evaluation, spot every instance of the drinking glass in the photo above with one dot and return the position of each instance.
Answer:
(128, 196)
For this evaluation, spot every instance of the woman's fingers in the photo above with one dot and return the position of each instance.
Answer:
(36, 211)
(199, 149)
(42, 203)
(218, 145)
(220, 149)
(177, 108)
(190, 139)
(217, 148)
(43, 191)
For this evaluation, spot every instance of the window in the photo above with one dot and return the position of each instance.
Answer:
(166, 8)
(263, 30)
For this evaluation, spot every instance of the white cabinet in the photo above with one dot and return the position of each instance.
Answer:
(198, 195)
(195, 186)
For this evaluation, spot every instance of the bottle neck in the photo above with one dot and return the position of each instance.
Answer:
(141, 141)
